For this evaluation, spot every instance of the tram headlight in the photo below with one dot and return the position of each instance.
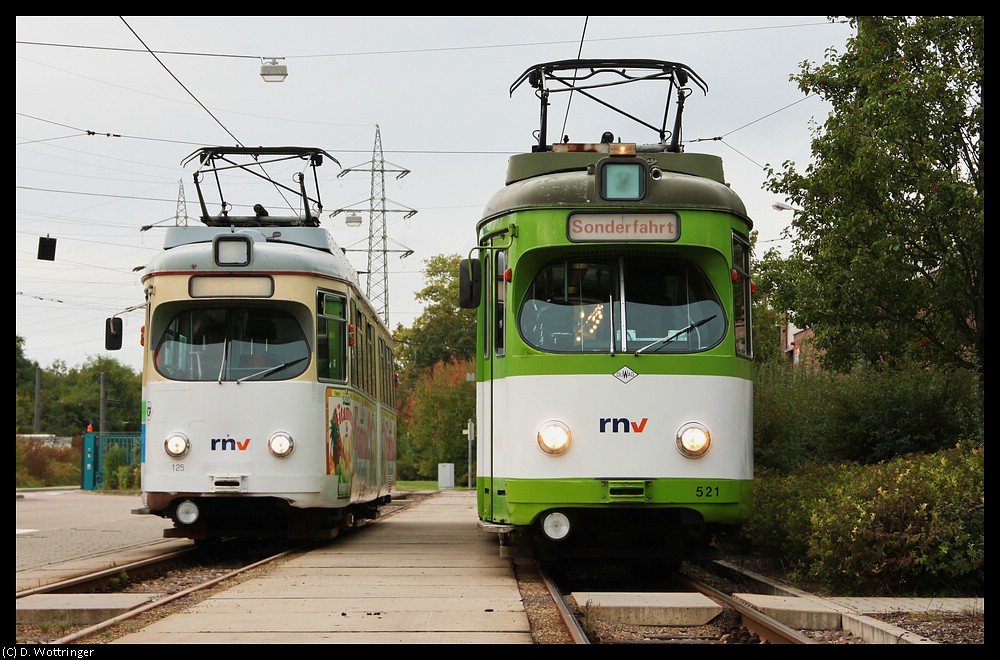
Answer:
(556, 525)
(554, 438)
(280, 444)
(177, 445)
(693, 440)
(187, 512)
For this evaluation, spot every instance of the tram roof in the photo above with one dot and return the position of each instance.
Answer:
(321, 254)
(550, 179)
(528, 165)
(313, 237)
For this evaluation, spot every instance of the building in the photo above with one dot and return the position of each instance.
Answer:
(797, 345)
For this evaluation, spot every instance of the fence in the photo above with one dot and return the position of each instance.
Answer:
(110, 460)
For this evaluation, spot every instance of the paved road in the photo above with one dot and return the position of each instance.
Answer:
(54, 526)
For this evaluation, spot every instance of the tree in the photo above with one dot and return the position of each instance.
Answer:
(24, 368)
(71, 397)
(887, 256)
(766, 328)
(435, 355)
(443, 329)
(24, 389)
(766, 333)
(435, 412)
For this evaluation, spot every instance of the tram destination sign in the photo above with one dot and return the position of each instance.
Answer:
(588, 227)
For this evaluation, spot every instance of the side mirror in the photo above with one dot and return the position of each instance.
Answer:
(113, 334)
(470, 283)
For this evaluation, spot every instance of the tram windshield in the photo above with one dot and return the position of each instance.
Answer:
(231, 344)
(576, 306)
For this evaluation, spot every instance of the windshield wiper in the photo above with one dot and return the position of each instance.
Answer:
(271, 370)
(670, 338)
(222, 366)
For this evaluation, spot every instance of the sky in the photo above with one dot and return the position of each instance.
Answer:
(108, 107)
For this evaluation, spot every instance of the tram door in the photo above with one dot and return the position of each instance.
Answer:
(496, 284)
(483, 283)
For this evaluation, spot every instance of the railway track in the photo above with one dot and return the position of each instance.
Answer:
(169, 578)
(181, 580)
(176, 577)
(737, 624)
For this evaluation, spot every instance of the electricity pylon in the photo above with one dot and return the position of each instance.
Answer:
(181, 206)
(378, 239)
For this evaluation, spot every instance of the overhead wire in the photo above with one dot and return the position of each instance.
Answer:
(580, 42)
(579, 52)
(198, 101)
(183, 86)
(407, 51)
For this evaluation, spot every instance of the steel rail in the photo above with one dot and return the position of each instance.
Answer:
(767, 628)
(103, 625)
(572, 624)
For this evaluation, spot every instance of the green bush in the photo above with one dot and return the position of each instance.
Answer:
(65, 473)
(124, 477)
(783, 506)
(911, 526)
(26, 480)
(113, 462)
(38, 465)
(805, 416)
(791, 413)
(883, 414)
(118, 472)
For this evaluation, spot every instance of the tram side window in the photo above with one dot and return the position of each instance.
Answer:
(387, 394)
(331, 337)
(741, 295)
(487, 310)
(356, 345)
(370, 362)
(390, 377)
(500, 296)
(362, 355)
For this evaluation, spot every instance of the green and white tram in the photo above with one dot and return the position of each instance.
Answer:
(614, 369)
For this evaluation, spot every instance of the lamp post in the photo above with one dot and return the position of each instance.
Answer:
(470, 430)
(789, 327)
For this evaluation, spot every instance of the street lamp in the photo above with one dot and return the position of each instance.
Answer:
(271, 71)
(353, 218)
(470, 430)
(781, 206)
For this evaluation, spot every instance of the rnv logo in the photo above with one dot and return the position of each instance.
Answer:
(622, 425)
(229, 444)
